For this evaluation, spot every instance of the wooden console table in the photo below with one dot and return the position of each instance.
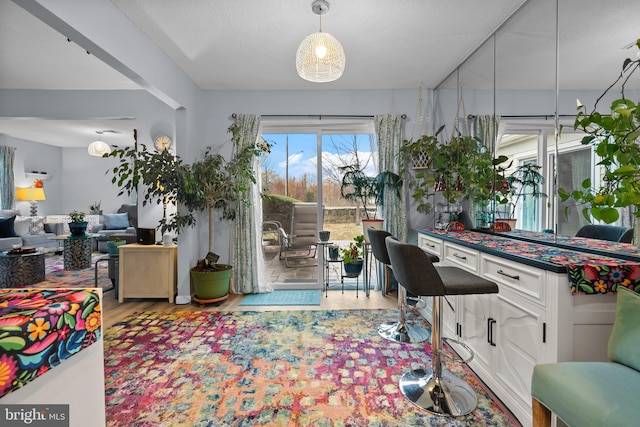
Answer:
(147, 271)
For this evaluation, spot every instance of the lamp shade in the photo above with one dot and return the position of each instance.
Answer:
(98, 148)
(30, 193)
(320, 58)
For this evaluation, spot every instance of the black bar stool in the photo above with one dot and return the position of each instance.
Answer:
(438, 392)
(398, 331)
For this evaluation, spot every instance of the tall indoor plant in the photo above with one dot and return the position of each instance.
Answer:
(524, 182)
(616, 138)
(368, 191)
(209, 184)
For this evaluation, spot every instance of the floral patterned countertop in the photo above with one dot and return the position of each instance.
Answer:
(39, 328)
(588, 272)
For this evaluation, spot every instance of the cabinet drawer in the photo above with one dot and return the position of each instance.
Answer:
(430, 244)
(460, 256)
(528, 281)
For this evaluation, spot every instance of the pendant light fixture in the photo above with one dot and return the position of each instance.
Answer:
(320, 57)
(99, 148)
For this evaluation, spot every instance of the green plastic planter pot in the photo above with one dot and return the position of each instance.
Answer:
(112, 247)
(211, 286)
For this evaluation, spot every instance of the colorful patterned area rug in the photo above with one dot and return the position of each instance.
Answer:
(57, 277)
(276, 368)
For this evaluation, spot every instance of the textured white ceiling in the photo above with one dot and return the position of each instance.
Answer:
(389, 44)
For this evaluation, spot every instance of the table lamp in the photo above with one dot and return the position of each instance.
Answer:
(31, 194)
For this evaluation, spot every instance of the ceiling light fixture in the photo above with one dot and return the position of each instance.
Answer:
(99, 148)
(320, 57)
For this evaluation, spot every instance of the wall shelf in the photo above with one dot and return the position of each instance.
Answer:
(38, 175)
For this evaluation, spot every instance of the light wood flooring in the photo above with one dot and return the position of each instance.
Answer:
(114, 312)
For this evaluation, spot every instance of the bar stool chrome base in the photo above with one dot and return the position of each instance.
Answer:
(445, 396)
(403, 333)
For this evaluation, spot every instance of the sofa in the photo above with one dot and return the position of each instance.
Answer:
(27, 231)
(123, 223)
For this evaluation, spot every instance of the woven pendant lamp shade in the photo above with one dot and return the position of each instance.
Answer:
(98, 148)
(320, 58)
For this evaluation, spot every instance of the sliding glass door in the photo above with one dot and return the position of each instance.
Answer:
(305, 168)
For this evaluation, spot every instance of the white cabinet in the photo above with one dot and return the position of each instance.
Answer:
(533, 319)
(430, 245)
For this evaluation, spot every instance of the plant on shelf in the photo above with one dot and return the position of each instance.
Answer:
(368, 190)
(353, 251)
(616, 138)
(352, 256)
(209, 184)
(77, 225)
(94, 208)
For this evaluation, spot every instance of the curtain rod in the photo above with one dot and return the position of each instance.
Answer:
(319, 116)
(534, 116)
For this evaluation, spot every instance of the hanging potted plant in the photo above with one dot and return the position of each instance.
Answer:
(368, 192)
(210, 184)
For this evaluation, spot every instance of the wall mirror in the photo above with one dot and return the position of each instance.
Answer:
(534, 94)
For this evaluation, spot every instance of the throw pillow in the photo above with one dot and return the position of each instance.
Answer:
(21, 225)
(6, 227)
(117, 221)
(37, 225)
(624, 342)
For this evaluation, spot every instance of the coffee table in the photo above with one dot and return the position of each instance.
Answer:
(21, 269)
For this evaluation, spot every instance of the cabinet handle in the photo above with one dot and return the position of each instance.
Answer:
(431, 246)
(489, 320)
(544, 332)
(464, 258)
(509, 275)
(490, 333)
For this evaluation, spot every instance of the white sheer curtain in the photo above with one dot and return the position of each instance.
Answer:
(249, 266)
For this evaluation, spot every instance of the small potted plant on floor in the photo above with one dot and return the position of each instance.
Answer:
(352, 257)
(77, 225)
